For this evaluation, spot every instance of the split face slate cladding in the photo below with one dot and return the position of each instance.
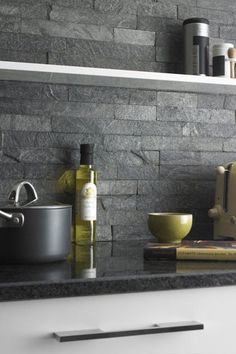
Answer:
(155, 151)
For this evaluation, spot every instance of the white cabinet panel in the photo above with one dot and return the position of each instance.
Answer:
(26, 327)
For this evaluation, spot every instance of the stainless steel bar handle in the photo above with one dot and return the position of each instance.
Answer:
(169, 327)
(16, 219)
(7, 216)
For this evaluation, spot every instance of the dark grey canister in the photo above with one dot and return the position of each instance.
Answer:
(44, 237)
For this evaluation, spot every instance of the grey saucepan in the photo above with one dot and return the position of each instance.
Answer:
(31, 232)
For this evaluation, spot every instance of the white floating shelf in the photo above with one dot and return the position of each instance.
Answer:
(76, 75)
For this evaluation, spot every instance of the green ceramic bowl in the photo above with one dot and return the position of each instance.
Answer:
(170, 227)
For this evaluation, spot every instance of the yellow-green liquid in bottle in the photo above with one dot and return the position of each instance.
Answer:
(85, 200)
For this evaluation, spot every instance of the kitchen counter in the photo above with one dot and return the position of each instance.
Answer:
(109, 268)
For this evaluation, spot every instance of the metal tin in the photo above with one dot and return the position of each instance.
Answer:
(196, 46)
(221, 63)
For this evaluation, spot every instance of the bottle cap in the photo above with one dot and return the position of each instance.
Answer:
(86, 153)
(86, 148)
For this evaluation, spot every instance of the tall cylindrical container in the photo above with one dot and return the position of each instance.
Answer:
(221, 63)
(196, 46)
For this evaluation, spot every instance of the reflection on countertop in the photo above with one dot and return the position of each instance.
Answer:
(107, 260)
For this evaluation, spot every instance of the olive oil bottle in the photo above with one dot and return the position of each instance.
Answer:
(85, 198)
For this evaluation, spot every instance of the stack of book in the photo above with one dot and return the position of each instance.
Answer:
(201, 250)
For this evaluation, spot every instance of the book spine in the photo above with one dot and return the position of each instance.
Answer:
(205, 254)
(160, 253)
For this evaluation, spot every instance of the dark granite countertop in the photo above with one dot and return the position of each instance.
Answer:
(109, 268)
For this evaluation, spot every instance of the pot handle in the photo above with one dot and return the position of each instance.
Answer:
(32, 195)
(15, 219)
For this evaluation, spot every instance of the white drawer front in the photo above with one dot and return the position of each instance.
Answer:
(26, 327)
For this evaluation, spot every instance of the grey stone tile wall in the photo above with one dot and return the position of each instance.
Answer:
(132, 34)
(154, 151)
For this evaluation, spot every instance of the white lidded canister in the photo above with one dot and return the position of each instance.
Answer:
(221, 63)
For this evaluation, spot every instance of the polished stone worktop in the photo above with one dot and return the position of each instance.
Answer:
(109, 268)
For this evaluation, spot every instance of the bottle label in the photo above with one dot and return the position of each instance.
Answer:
(88, 202)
